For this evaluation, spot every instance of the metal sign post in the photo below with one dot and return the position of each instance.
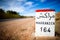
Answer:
(45, 22)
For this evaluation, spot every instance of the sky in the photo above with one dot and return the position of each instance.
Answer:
(28, 7)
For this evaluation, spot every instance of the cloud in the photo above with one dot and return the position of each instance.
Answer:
(30, 14)
(22, 0)
(27, 11)
(29, 3)
(42, 0)
(45, 8)
(22, 6)
(18, 9)
(14, 6)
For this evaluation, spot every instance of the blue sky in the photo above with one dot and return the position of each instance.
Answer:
(28, 7)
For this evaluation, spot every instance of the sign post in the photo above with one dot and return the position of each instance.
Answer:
(45, 22)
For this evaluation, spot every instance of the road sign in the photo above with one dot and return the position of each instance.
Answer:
(45, 22)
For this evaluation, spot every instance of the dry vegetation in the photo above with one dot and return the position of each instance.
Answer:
(20, 29)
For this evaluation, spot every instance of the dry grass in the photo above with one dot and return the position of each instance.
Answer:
(20, 29)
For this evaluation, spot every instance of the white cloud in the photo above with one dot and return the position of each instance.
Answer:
(29, 3)
(30, 14)
(22, 0)
(18, 9)
(16, 6)
(42, 0)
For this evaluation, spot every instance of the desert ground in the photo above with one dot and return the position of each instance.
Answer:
(20, 29)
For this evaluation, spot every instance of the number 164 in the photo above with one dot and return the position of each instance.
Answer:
(45, 29)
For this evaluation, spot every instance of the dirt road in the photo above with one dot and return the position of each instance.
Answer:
(19, 29)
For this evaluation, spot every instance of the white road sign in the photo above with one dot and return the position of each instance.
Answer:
(45, 22)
